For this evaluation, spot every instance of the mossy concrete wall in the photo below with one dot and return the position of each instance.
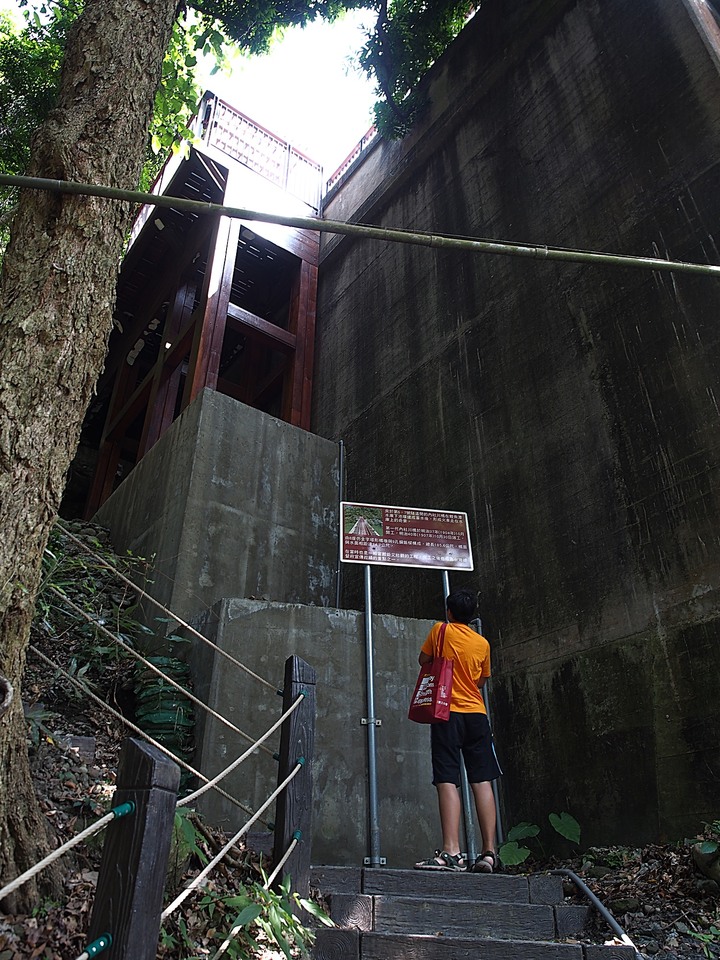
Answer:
(573, 411)
(262, 635)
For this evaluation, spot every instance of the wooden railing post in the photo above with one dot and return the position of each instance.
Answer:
(128, 901)
(293, 809)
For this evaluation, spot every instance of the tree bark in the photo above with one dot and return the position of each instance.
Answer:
(56, 294)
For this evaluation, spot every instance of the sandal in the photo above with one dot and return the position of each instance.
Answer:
(443, 861)
(487, 863)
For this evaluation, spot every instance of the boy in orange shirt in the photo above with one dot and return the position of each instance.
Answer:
(467, 732)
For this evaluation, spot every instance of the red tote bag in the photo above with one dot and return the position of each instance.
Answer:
(431, 700)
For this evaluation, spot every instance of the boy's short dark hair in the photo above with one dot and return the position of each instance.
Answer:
(462, 604)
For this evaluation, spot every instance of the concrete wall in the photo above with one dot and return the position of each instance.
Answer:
(571, 410)
(229, 502)
(262, 636)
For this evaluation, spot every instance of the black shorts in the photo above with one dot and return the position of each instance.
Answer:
(469, 734)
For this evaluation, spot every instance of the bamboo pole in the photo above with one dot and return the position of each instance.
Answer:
(366, 231)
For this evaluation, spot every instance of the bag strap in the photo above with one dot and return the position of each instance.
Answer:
(441, 639)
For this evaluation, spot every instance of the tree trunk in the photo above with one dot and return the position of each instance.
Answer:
(56, 295)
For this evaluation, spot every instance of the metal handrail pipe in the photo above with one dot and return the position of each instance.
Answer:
(600, 907)
(367, 231)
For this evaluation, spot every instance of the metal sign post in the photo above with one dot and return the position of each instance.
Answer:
(374, 860)
(408, 537)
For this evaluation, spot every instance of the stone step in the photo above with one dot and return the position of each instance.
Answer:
(538, 889)
(337, 944)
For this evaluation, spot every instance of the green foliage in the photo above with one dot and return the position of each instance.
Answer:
(710, 842)
(409, 37)
(161, 710)
(613, 857)
(36, 717)
(709, 941)
(259, 919)
(186, 835)
(254, 24)
(511, 853)
(522, 831)
(90, 655)
(30, 62)
(90, 585)
(566, 825)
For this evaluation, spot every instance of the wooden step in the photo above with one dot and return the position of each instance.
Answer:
(356, 911)
(339, 944)
(463, 918)
(535, 888)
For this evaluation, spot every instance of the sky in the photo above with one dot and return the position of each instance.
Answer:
(304, 91)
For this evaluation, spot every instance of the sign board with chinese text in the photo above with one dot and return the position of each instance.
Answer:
(404, 536)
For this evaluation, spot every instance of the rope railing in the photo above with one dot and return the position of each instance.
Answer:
(147, 596)
(151, 666)
(135, 729)
(241, 759)
(105, 940)
(196, 881)
(297, 837)
(121, 810)
(152, 782)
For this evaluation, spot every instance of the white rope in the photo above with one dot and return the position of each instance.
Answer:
(241, 759)
(56, 854)
(151, 666)
(164, 609)
(195, 883)
(135, 729)
(286, 856)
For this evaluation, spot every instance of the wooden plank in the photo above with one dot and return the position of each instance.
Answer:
(194, 242)
(103, 478)
(492, 888)
(166, 376)
(207, 344)
(268, 387)
(293, 810)
(571, 919)
(545, 888)
(336, 879)
(128, 901)
(261, 330)
(390, 947)
(309, 362)
(463, 918)
(335, 944)
(352, 910)
(119, 423)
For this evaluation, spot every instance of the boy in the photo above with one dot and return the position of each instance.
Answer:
(467, 732)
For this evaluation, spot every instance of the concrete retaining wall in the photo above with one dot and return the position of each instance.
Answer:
(572, 411)
(231, 501)
(262, 636)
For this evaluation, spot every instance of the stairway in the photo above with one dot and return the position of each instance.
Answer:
(414, 915)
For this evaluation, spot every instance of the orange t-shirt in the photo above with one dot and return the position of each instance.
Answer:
(470, 653)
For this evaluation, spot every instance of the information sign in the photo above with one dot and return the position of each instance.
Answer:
(404, 536)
